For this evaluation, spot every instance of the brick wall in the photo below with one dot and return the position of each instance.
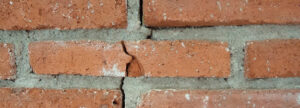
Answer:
(149, 53)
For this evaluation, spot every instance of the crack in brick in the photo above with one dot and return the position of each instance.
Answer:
(133, 68)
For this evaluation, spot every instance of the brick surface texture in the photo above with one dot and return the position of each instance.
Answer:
(7, 61)
(93, 58)
(179, 13)
(273, 58)
(186, 58)
(220, 99)
(62, 14)
(149, 53)
(69, 98)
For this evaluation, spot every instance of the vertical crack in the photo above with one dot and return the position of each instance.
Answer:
(133, 68)
(141, 11)
(150, 35)
(126, 74)
(123, 92)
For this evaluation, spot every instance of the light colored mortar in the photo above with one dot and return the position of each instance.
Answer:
(135, 87)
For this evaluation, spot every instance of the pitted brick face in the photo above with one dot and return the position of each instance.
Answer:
(68, 98)
(94, 58)
(180, 13)
(272, 58)
(62, 14)
(221, 99)
(184, 58)
(7, 61)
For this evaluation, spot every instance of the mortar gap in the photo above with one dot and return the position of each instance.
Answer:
(150, 35)
(141, 12)
(123, 92)
(226, 79)
(126, 74)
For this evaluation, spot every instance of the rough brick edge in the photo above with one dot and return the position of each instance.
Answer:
(12, 60)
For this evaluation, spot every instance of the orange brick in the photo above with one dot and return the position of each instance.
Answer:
(7, 61)
(273, 58)
(78, 57)
(71, 98)
(221, 99)
(62, 14)
(179, 13)
(185, 58)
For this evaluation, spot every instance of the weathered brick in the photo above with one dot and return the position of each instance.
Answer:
(184, 58)
(94, 58)
(221, 99)
(272, 58)
(7, 61)
(62, 14)
(171, 13)
(50, 98)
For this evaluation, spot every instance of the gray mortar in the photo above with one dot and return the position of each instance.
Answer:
(236, 36)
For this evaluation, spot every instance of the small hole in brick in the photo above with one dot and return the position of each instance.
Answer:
(104, 62)
(115, 102)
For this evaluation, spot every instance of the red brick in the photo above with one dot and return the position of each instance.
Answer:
(171, 13)
(62, 14)
(273, 58)
(50, 98)
(94, 58)
(7, 61)
(221, 99)
(184, 58)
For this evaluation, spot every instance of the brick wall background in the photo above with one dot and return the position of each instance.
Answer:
(149, 53)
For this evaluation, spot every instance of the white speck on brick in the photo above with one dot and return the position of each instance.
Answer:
(260, 9)
(11, 3)
(165, 16)
(211, 15)
(205, 101)
(180, 9)
(5, 45)
(106, 93)
(298, 98)
(89, 5)
(187, 97)
(54, 10)
(224, 97)
(153, 47)
(227, 49)
(241, 9)
(182, 44)
(60, 43)
(153, 1)
(228, 4)
(136, 47)
(219, 5)
(114, 71)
